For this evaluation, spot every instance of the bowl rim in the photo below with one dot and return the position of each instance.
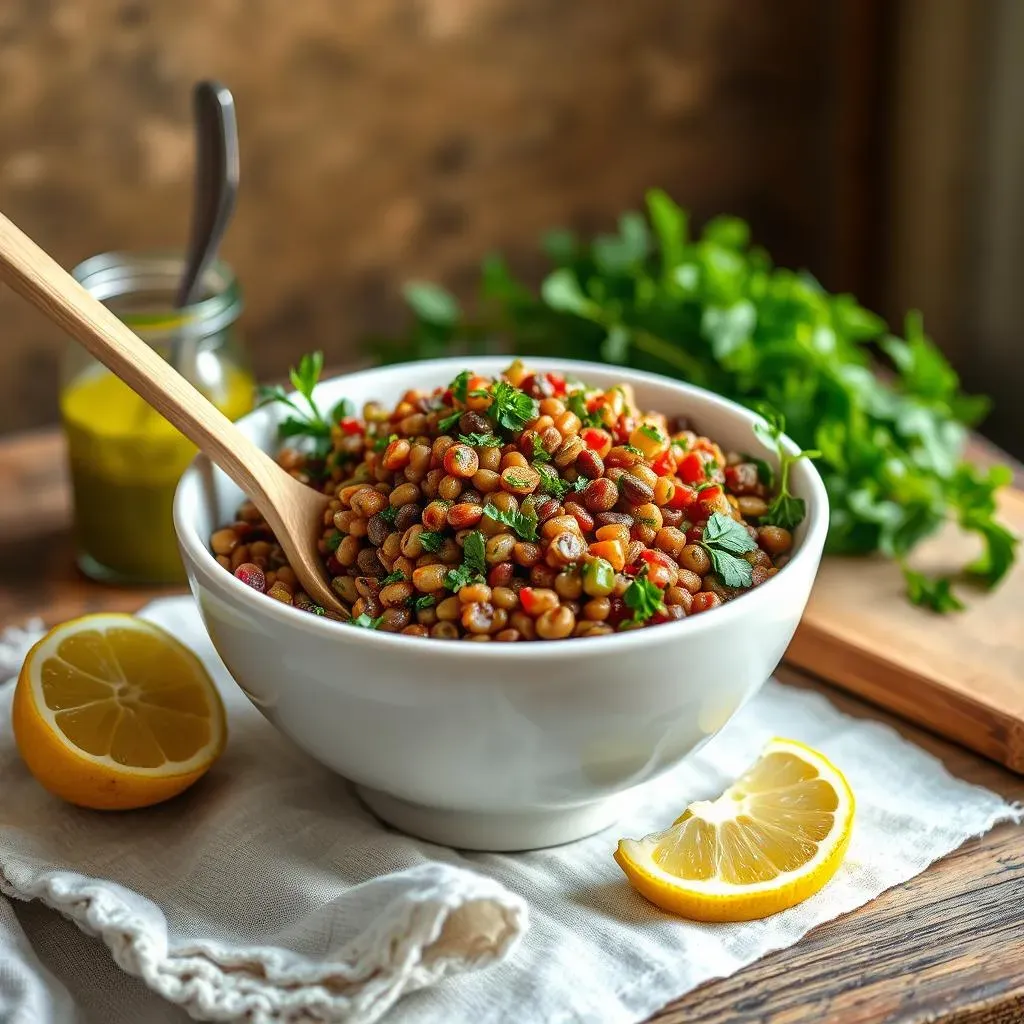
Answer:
(733, 612)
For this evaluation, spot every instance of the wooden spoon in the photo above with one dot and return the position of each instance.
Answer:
(293, 510)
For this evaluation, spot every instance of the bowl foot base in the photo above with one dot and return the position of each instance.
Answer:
(497, 832)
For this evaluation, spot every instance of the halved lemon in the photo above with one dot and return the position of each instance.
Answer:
(111, 712)
(772, 839)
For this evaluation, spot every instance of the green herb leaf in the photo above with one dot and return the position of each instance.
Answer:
(540, 453)
(474, 563)
(785, 510)
(510, 408)
(632, 448)
(524, 523)
(392, 577)
(432, 541)
(518, 479)
(931, 593)
(383, 441)
(726, 533)
(577, 404)
(550, 482)
(364, 621)
(447, 422)
(734, 572)
(460, 386)
(481, 440)
(644, 598)
(389, 514)
(431, 303)
(653, 433)
(580, 484)
(334, 540)
(425, 601)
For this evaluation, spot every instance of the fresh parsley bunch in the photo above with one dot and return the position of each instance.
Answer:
(711, 309)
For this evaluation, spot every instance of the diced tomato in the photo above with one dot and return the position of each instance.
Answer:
(652, 557)
(595, 403)
(557, 382)
(684, 497)
(665, 464)
(659, 575)
(528, 599)
(691, 468)
(350, 425)
(597, 440)
(623, 428)
(706, 495)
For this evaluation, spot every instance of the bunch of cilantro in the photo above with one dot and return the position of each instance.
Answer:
(711, 309)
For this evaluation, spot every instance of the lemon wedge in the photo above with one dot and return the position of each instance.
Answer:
(772, 839)
(111, 712)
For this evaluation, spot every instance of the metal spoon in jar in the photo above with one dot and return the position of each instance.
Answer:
(216, 189)
(293, 511)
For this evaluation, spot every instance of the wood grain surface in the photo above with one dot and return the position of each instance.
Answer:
(945, 947)
(961, 676)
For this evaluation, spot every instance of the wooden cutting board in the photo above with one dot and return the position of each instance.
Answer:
(960, 675)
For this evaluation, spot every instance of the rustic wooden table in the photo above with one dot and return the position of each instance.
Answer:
(947, 946)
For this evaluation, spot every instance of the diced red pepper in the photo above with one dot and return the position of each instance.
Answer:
(597, 440)
(665, 464)
(691, 468)
(350, 425)
(653, 557)
(557, 382)
(706, 495)
(683, 497)
(659, 575)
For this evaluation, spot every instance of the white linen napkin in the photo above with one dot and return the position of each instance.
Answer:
(269, 893)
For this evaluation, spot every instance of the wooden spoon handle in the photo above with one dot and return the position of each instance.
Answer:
(44, 283)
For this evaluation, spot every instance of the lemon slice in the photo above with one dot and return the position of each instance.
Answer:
(111, 712)
(772, 839)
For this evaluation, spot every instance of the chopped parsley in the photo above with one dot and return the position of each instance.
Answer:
(523, 522)
(474, 563)
(724, 540)
(447, 422)
(382, 442)
(518, 481)
(364, 621)
(550, 482)
(510, 408)
(540, 453)
(935, 594)
(460, 386)
(481, 440)
(432, 540)
(632, 448)
(333, 542)
(652, 432)
(786, 510)
(578, 404)
(392, 577)
(389, 514)
(422, 602)
(644, 597)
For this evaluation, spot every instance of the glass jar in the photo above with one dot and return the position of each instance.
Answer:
(125, 458)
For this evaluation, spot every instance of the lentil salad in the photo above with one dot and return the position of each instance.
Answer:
(523, 507)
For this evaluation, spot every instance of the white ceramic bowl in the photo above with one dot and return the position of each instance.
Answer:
(498, 746)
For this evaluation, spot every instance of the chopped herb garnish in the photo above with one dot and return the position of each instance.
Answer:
(311, 424)
(580, 484)
(334, 540)
(447, 422)
(724, 539)
(786, 510)
(474, 563)
(510, 408)
(935, 594)
(392, 577)
(652, 432)
(632, 448)
(389, 514)
(382, 442)
(364, 621)
(460, 386)
(644, 597)
(550, 482)
(523, 522)
(578, 404)
(432, 541)
(481, 440)
(540, 453)
(423, 602)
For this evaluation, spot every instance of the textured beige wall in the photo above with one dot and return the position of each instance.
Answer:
(388, 138)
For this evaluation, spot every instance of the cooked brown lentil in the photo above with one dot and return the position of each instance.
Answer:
(485, 531)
